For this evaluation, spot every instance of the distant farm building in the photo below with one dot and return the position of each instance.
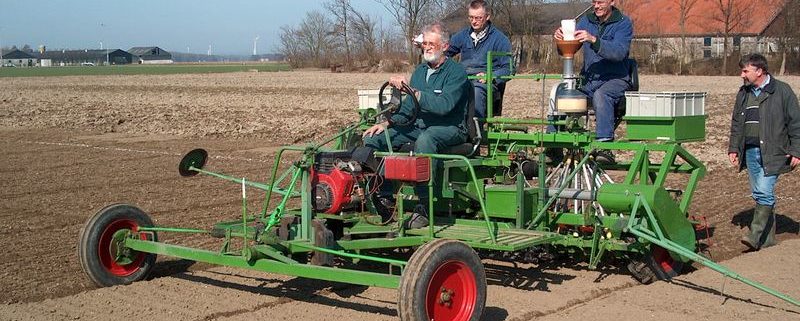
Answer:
(151, 55)
(18, 58)
(88, 57)
(755, 26)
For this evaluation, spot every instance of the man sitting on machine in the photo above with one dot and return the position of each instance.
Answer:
(606, 36)
(443, 92)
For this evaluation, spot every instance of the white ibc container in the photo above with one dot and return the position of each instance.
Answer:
(368, 98)
(665, 104)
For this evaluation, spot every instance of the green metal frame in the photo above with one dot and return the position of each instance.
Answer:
(463, 185)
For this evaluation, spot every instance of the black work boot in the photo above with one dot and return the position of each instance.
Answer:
(419, 218)
(604, 157)
(553, 155)
(762, 229)
(384, 206)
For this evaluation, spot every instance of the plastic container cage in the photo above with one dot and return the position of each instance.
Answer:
(368, 98)
(665, 104)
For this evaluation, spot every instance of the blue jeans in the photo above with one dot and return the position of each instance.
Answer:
(604, 96)
(763, 186)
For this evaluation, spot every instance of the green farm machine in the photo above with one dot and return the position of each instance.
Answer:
(497, 196)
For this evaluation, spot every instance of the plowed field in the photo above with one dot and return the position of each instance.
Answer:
(71, 145)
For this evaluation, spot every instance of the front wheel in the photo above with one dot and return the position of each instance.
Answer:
(443, 280)
(101, 251)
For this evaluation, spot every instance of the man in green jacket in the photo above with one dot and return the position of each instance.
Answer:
(765, 139)
(444, 93)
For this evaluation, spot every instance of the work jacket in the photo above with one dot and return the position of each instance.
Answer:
(605, 59)
(444, 96)
(779, 126)
(473, 57)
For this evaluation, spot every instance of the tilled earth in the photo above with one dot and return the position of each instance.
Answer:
(71, 145)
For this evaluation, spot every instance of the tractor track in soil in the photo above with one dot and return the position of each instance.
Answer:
(71, 145)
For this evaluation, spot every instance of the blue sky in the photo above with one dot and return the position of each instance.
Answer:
(229, 26)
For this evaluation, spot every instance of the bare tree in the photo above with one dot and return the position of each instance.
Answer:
(685, 8)
(789, 34)
(515, 18)
(311, 41)
(733, 14)
(364, 34)
(341, 9)
(409, 15)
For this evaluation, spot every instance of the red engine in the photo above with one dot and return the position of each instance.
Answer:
(333, 191)
(334, 180)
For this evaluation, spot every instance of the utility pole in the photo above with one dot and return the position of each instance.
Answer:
(1, 53)
(108, 53)
(255, 45)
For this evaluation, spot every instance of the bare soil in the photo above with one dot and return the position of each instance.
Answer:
(72, 145)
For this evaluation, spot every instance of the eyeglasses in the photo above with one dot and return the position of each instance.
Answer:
(477, 18)
(426, 44)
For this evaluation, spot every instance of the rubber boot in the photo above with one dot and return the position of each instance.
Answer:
(762, 228)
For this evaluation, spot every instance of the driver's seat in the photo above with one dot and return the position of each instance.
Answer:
(474, 137)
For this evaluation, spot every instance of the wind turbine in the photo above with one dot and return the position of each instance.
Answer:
(255, 46)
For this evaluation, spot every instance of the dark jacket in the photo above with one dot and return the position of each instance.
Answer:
(779, 124)
(473, 57)
(604, 59)
(444, 97)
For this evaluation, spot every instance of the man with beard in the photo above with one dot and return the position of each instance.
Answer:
(444, 93)
(473, 43)
(606, 36)
(765, 139)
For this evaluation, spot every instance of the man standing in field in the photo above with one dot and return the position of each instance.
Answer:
(765, 139)
(473, 43)
(606, 36)
(441, 87)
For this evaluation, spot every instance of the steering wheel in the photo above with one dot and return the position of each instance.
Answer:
(393, 105)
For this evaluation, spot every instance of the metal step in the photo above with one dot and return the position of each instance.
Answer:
(478, 236)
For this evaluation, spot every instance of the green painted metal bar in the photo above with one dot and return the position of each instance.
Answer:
(260, 186)
(636, 165)
(487, 79)
(343, 275)
(382, 243)
(666, 164)
(245, 243)
(520, 197)
(278, 157)
(350, 255)
(277, 213)
(672, 246)
(171, 229)
(697, 174)
(561, 188)
(669, 245)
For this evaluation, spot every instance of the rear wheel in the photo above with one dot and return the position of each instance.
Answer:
(101, 251)
(444, 280)
(658, 265)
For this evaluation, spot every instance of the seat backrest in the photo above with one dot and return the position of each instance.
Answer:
(633, 72)
(473, 129)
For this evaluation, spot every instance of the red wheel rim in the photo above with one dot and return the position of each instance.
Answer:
(451, 293)
(107, 247)
(664, 260)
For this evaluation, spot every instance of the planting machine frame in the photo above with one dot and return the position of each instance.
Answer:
(318, 220)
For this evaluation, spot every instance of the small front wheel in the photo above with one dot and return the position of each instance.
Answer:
(443, 280)
(101, 251)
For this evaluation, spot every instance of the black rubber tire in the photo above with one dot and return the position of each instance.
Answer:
(97, 230)
(420, 270)
(658, 265)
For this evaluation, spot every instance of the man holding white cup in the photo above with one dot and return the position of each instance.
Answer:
(606, 36)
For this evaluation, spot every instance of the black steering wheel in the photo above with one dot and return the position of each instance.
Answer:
(393, 105)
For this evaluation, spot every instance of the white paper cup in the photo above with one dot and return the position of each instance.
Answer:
(568, 29)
